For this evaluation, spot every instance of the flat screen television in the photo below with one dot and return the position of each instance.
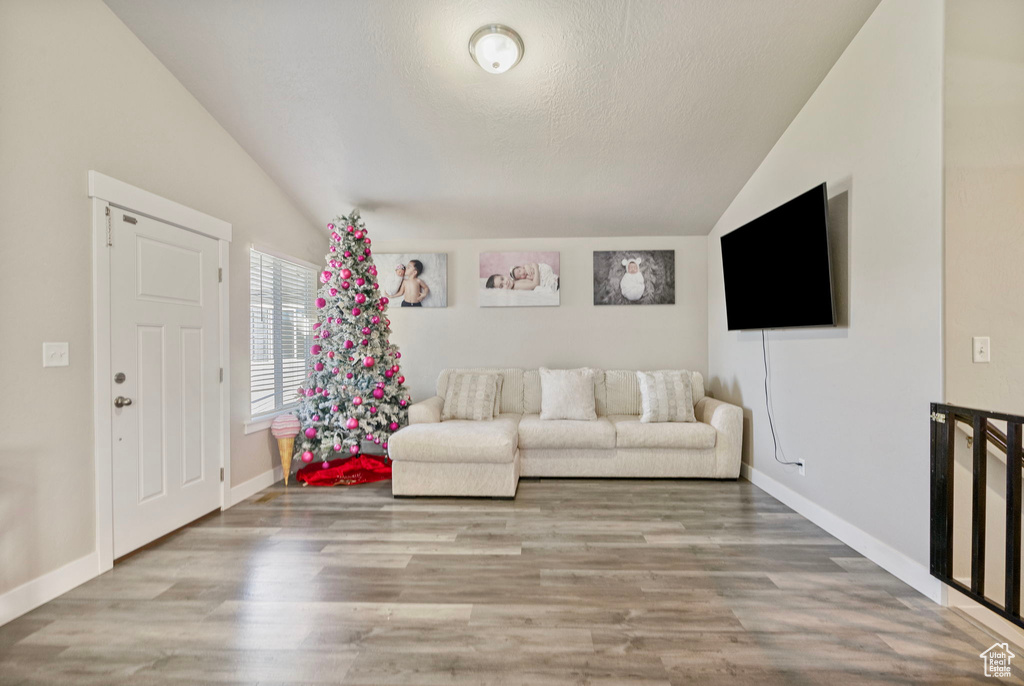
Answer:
(778, 269)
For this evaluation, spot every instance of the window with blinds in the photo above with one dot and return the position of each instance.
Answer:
(281, 313)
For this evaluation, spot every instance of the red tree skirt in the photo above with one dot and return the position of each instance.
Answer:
(349, 471)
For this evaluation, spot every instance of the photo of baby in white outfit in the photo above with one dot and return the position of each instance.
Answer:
(634, 277)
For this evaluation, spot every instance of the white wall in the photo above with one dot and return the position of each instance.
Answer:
(852, 402)
(984, 130)
(574, 334)
(80, 92)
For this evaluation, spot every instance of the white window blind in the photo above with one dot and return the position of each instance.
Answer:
(281, 295)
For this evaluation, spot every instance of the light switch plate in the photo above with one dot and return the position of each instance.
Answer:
(982, 349)
(55, 355)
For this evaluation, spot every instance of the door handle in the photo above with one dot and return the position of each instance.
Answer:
(121, 401)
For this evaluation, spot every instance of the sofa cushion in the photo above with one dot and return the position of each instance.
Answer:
(511, 386)
(531, 392)
(630, 432)
(666, 396)
(470, 395)
(567, 394)
(623, 391)
(458, 440)
(535, 433)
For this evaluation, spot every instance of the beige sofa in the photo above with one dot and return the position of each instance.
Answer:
(486, 458)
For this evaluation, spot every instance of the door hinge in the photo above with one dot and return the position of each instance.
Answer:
(222, 475)
(222, 374)
(130, 220)
(938, 417)
(110, 236)
(220, 275)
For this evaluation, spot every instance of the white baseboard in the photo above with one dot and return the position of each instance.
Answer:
(249, 488)
(45, 588)
(902, 567)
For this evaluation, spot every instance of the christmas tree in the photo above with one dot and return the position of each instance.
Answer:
(354, 391)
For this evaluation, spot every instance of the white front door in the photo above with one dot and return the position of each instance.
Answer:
(165, 359)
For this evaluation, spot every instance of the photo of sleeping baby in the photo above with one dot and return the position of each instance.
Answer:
(635, 277)
(519, 279)
(413, 279)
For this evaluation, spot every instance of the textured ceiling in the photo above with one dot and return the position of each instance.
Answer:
(625, 117)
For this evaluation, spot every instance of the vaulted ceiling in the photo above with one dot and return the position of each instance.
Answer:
(625, 117)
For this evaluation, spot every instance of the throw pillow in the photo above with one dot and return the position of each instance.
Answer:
(567, 394)
(666, 396)
(470, 395)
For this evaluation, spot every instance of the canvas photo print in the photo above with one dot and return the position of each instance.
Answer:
(635, 277)
(413, 279)
(519, 279)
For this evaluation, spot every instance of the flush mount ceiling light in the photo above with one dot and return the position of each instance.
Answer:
(496, 48)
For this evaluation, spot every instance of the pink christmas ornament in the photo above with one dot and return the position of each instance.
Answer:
(365, 331)
(325, 276)
(367, 241)
(334, 408)
(402, 403)
(321, 303)
(309, 392)
(310, 432)
(307, 456)
(364, 342)
(349, 344)
(384, 301)
(357, 400)
(373, 410)
(285, 426)
(401, 379)
(376, 286)
(336, 371)
(356, 312)
(334, 291)
(393, 426)
(384, 445)
(369, 361)
(348, 254)
(367, 252)
(397, 354)
(353, 449)
(330, 354)
(350, 229)
(316, 418)
(349, 375)
(316, 325)
(319, 366)
(337, 447)
(388, 373)
(326, 394)
(345, 273)
(315, 349)
(345, 285)
(333, 249)
(375, 319)
(360, 298)
(325, 465)
(378, 393)
(360, 281)
(330, 227)
(361, 258)
(352, 423)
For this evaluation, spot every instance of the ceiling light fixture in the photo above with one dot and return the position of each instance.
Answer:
(496, 48)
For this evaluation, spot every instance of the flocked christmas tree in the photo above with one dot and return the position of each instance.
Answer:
(355, 389)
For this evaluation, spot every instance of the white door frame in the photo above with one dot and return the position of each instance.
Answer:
(106, 192)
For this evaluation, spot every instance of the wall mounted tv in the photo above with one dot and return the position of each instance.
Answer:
(777, 269)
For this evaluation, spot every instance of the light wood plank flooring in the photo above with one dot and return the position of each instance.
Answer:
(574, 582)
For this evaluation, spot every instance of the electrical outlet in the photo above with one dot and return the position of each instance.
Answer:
(55, 355)
(801, 468)
(982, 349)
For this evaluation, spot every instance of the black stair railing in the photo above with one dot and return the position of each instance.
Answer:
(982, 435)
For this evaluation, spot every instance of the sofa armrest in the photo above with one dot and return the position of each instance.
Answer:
(727, 421)
(426, 411)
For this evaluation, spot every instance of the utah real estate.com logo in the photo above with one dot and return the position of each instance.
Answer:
(997, 660)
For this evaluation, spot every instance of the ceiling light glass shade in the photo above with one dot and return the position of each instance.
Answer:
(496, 48)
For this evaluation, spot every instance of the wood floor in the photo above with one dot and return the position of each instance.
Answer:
(574, 582)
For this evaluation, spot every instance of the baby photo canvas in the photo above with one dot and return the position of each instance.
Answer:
(634, 277)
(413, 279)
(519, 279)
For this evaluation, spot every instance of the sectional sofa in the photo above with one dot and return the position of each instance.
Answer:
(486, 458)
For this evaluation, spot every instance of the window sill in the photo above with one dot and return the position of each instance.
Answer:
(263, 422)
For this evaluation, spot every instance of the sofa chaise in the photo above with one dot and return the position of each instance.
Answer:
(486, 458)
